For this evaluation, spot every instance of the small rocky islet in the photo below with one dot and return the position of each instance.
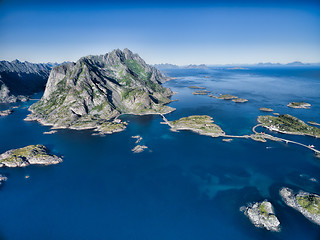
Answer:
(264, 109)
(308, 204)
(227, 139)
(50, 132)
(299, 105)
(201, 92)
(2, 179)
(262, 215)
(6, 112)
(221, 96)
(314, 123)
(230, 97)
(138, 137)
(139, 148)
(239, 100)
(29, 155)
(196, 87)
(226, 97)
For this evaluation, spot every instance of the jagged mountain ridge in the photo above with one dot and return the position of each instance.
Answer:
(97, 89)
(21, 79)
(173, 66)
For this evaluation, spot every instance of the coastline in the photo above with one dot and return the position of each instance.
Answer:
(30, 118)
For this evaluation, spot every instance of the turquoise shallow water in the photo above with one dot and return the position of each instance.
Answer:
(186, 186)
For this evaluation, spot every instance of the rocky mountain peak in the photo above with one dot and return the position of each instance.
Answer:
(97, 89)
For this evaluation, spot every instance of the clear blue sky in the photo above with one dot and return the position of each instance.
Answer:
(179, 32)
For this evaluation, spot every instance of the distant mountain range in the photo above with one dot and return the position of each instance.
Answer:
(18, 80)
(172, 66)
(296, 63)
(203, 66)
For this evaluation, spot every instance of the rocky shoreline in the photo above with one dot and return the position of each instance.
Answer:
(99, 126)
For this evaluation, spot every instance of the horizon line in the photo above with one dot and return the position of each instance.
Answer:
(182, 65)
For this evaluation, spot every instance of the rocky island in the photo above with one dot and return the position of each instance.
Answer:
(138, 137)
(229, 97)
(314, 123)
(299, 105)
(201, 124)
(227, 139)
(226, 97)
(239, 100)
(94, 91)
(201, 92)
(139, 148)
(50, 132)
(2, 179)
(306, 203)
(196, 87)
(6, 112)
(263, 109)
(262, 215)
(289, 125)
(32, 154)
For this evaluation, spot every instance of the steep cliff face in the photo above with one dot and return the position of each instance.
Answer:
(21, 79)
(5, 95)
(96, 89)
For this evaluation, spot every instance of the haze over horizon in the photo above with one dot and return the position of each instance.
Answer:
(178, 32)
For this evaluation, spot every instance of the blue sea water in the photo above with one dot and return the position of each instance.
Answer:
(185, 186)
